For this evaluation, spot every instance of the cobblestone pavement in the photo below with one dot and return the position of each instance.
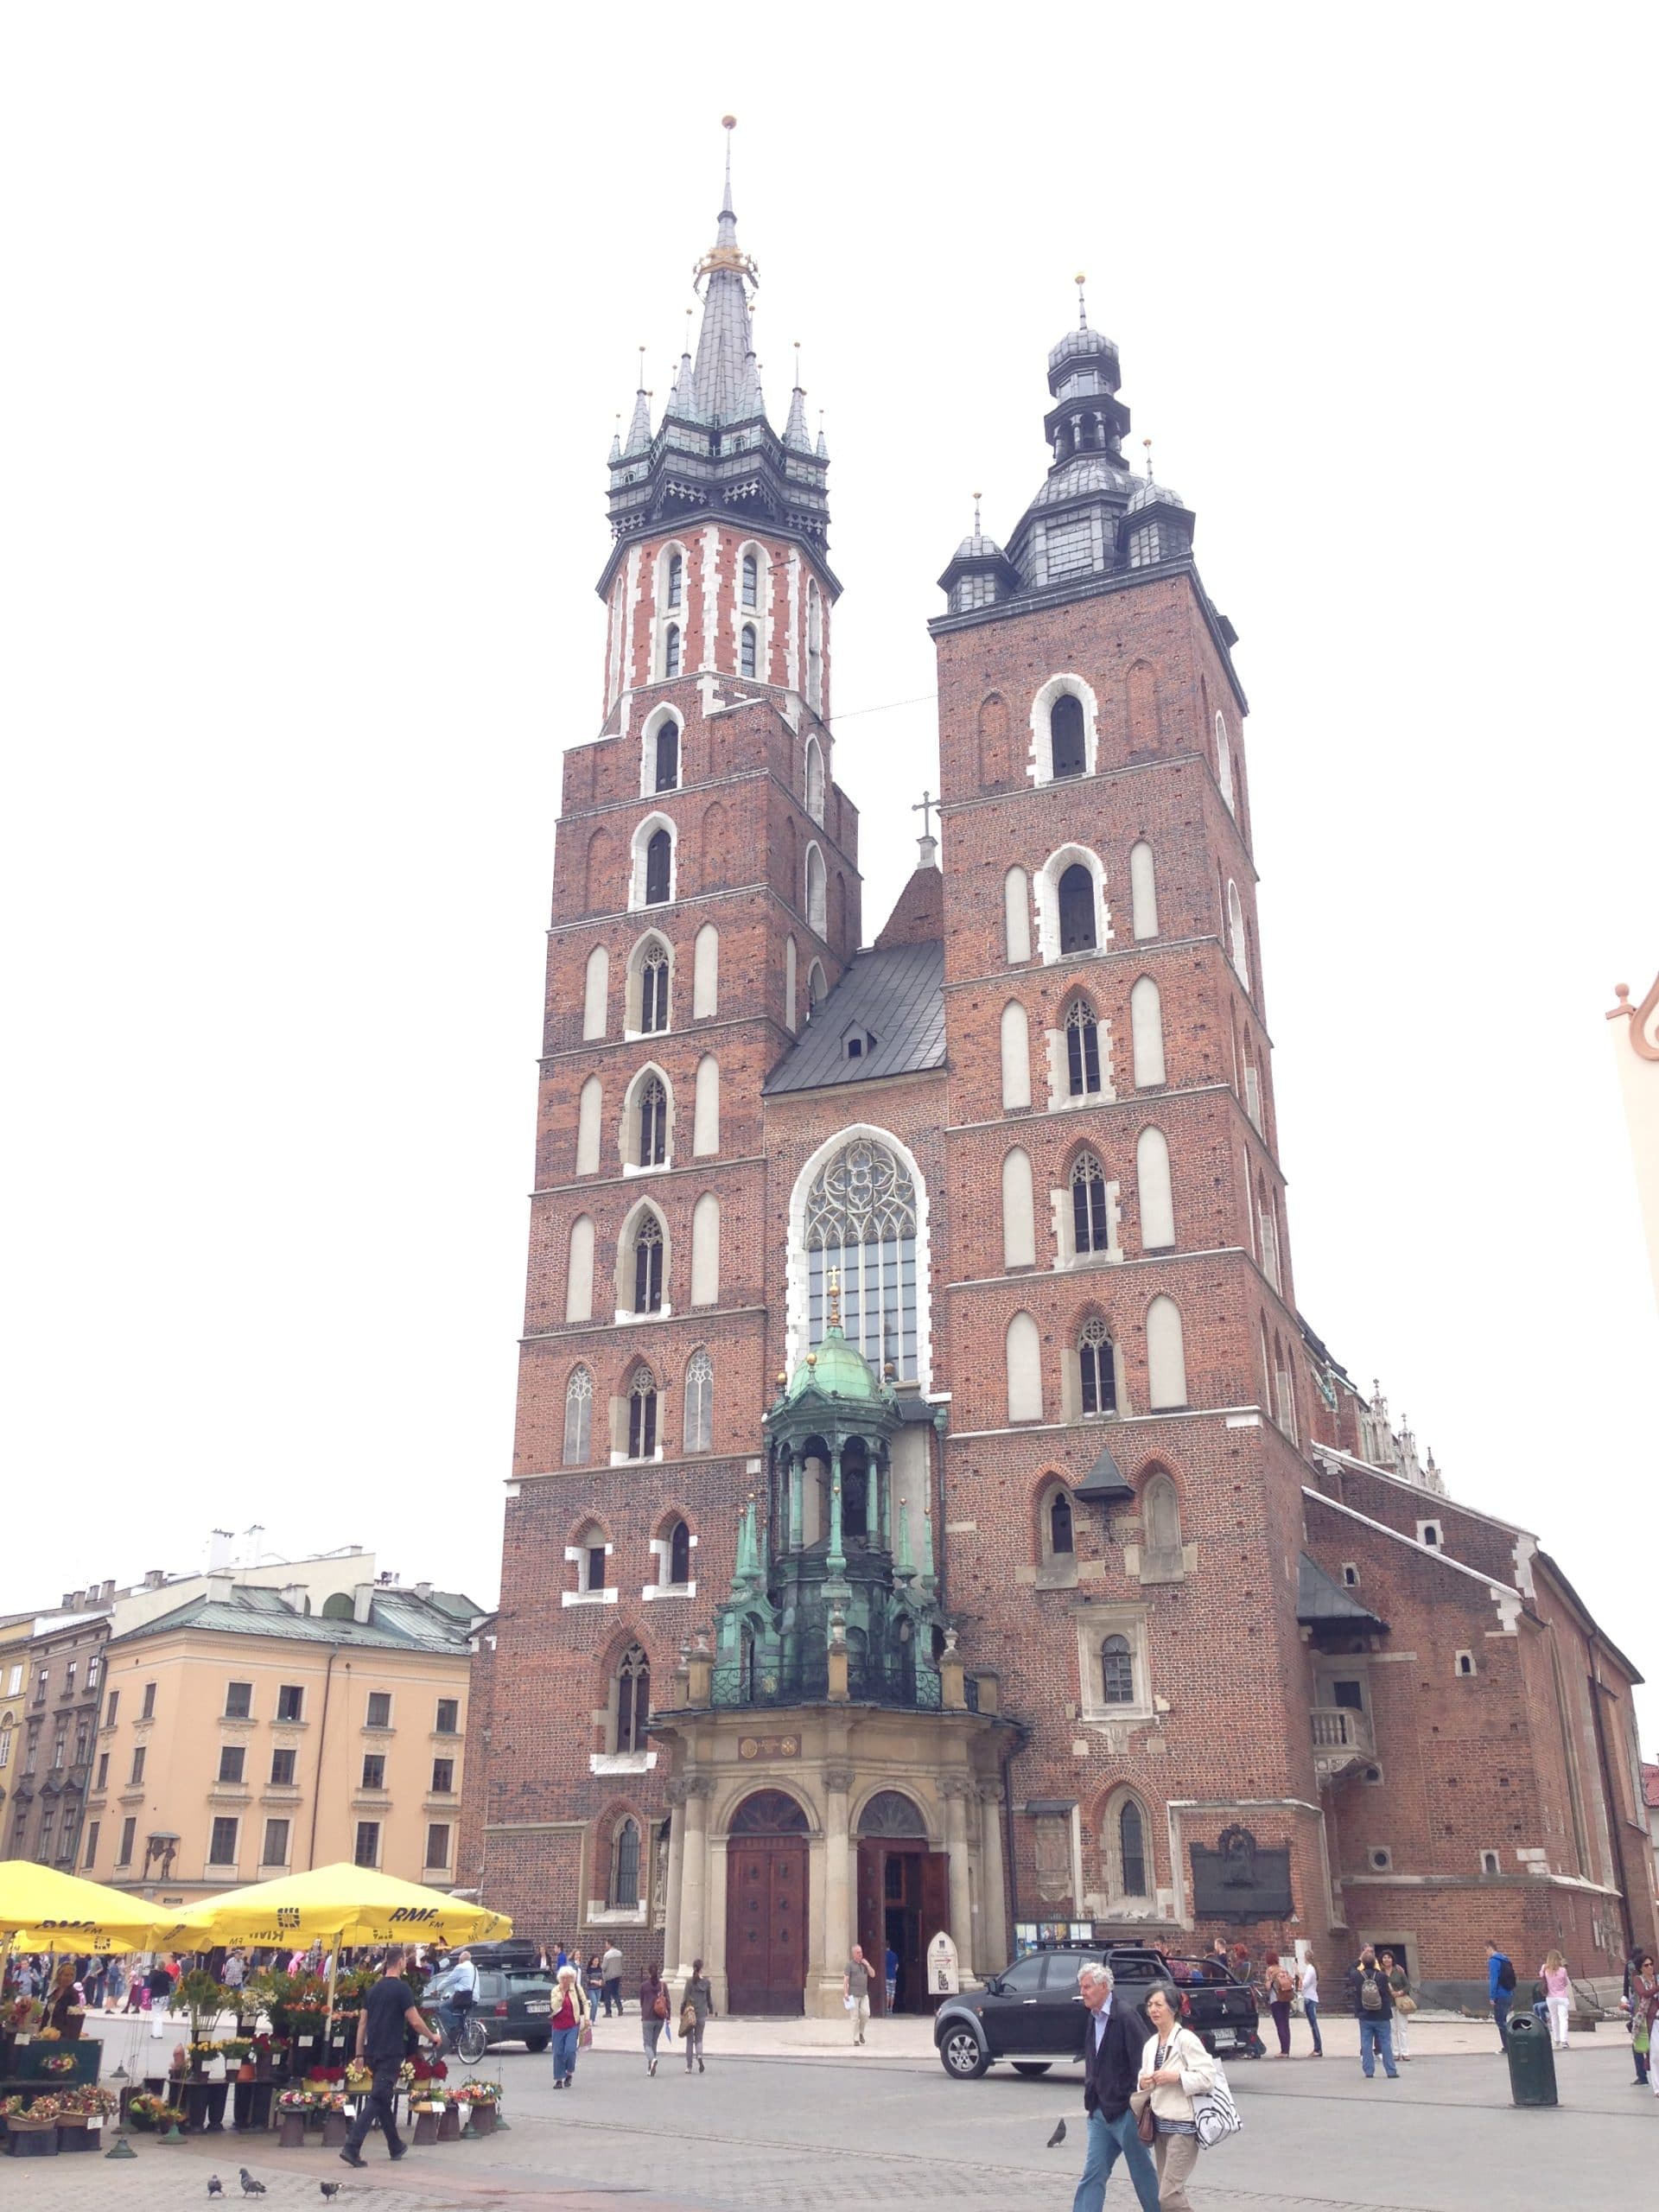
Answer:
(812, 2134)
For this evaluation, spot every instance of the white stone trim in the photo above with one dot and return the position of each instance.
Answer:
(1047, 887)
(1039, 764)
(795, 1301)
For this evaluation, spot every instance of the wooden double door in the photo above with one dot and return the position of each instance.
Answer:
(766, 1925)
(904, 1900)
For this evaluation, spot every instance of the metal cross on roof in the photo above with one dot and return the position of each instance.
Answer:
(928, 805)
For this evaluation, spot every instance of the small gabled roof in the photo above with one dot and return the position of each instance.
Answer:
(1321, 1603)
(896, 996)
(1105, 1482)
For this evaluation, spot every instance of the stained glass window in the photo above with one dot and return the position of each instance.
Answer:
(860, 1218)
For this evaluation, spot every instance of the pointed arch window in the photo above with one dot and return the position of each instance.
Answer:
(648, 1272)
(745, 650)
(1097, 1371)
(1132, 1850)
(860, 1216)
(679, 1554)
(676, 580)
(671, 649)
(1117, 1671)
(624, 1868)
(815, 778)
(1089, 1229)
(632, 1699)
(751, 581)
(699, 1405)
(1059, 1525)
(1077, 899)
(653, 989)
(668, 754)
(642, 1413)
(1065, 736)
(578, 1418)
(1082, 1050)
(653, 1124)
(660, 854)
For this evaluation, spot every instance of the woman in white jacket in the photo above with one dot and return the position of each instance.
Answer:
(1174, 2068)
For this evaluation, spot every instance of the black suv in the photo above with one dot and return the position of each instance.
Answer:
(515, 2004)
(1033, 2014)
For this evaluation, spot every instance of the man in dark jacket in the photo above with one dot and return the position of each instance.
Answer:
(1113, 2036)
(1373, 2003)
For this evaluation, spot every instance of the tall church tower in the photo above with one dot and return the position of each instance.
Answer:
(1122, 1468)
(707, 888)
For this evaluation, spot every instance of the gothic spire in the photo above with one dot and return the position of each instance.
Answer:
(639, 437)
(795, 431)
(726, 275)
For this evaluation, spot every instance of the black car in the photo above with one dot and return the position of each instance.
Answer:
(1033, 2013)
(515, 2006)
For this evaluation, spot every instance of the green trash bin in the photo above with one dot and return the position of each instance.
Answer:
(1532, 2062)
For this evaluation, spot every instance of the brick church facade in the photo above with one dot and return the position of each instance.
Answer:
(929, 1506)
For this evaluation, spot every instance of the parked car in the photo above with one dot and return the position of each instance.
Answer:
(514, 2004)
(1033, 2014)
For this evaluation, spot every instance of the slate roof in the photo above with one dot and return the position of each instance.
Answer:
(1320, 1601)
(1105, 1480)
(400, 1620)
(897, 996)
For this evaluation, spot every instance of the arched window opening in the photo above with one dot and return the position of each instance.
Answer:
(632, 1699)
(668, 754)
(1023, 1353)
(1146, 1034)
(579, 1270)
(1016, 916)
(1015, 1044)
(653, 989)
(642, 1413)
(1165, 1356)
(746, 650)
(1019, 1210)
(1155, 1190)
(648, 1270)
(1143, 890)
(751, 581)
(814, 649)
(1097, 1371)
(1132, 1850)
(699, 1403)
(624, 1868)
(1089, 1228)
(1224, 763)
(578, 1418)
(660, 854)
(1065, 736)
(768, 1812)
(816, 988)
(815, 778)
(679, 1554)
(676, 591)
(891, 1813)
(589, 1111)
(1059, 1525)
(1082, 1050)
(1160, 1516)
(705, 1250)
(1237, 942)
(595, 994)
(591, 1552)
(816, 892)
(671, 649)
(653, 1124)
(860, 1217)
(1077, 910)
(1117, 1671)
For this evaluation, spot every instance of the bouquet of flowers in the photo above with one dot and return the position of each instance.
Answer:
(147, 2111)
(300, 2100)
(87, 2102)
(236, 2047)
(44, 2109)
(359, 2077)
(476, 2093)
(330, 2074)
(21, 2014)
(60, 2062)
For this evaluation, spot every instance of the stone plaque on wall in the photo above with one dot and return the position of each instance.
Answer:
(1240, 1879)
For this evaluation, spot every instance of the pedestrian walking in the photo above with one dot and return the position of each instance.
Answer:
(696, 2010)
(1174, 2068)
(593, 1984)
(611, 1968)
(236, 1971)
(388, 2013)
(115, 1986)
(1310, 2002)
(1404, 2003)
(567, 2019)
(855, 1991)
(653, 2014)
(1113, 2039)
(1500, 1988)
(1281, 1987)
(890, 1976)
(1558, 1997)
(1373, 2002)
(1644, 2012)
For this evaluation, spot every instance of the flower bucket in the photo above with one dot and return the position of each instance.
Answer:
(426, 2124)
(32, 2139)
(449, 2124)
(291, 2132)
(483, 2119)
(78, 2135)
(334, 2130)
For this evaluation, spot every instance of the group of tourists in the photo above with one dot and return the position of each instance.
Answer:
(1144, 2095)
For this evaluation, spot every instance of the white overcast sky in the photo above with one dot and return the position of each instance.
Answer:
(316, 321)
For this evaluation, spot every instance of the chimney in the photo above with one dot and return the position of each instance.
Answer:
(422, 1589)
(68, 1602)
(154, 1578)
(256, 1544)
(106, 1595)
(221, 1589)
(293, 1596)
(362, 1601)
(221, 1550)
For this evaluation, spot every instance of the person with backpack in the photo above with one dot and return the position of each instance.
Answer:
(1373, 2002)
(1281, 1988)
(1500, 1988)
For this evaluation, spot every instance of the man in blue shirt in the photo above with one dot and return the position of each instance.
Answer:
(1500, 1987)
(1113, 2036)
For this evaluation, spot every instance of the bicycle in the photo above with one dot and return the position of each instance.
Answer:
(468, 2041)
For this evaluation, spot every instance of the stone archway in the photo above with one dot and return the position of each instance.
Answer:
(903, 1897)
(766, 1906)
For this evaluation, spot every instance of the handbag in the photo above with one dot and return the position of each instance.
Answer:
(1214, 2113)
(585, 2035)
(1145, 2125)
(659, 2007)
(688, 2019)
(1405, 2005)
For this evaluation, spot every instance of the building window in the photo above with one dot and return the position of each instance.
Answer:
(648, 1265)
(443, 1777)
(1082, 1050)
(1237, 941)
(1165, 1356)
(1428, 1533)
(1465, 1662)
(48, 1829)
(1132, 1850)
(69, 1680)
(374, 1770)
(448, 1719)
(817, 897)
(642, 1414)
(41, 1679)
(380, 1713)
(1077, 899)
(111, 1706)
(129, 1833)
(103, 1780)
(578, 1418)
(668, 754)
(1097, 1371)
(92, 1843)
(653, 989)
(676, 582)
(146, 1710)
(1089, 1225)
(815, 778)
(282, 1769)
(632, 1699)
(625, 1867)
(1065, 736)
(5, 1744)
(291, 1703)
(659, 858)
(1489, 1862)
(699, 1403)
(239, 1700)
(671, 650)
(221, 1848)
(653, 1122)
(745, 650)
(1060, 1526)
(365, 1852)
(437, 1844)
(137, 1774)
(860, 1217)
(679, 1554)
(1117, 1671)
(751, 581)
(60, 1739)
(232, 1760)
(275, 1850)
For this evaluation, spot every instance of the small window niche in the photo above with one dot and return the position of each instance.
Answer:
(1463, 1664)
(1349, 1575)
(1428, 1532)
(1490, 1863)
(1379, 1859)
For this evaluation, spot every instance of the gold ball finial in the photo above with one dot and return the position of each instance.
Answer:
(1079, 278)
(728, 123)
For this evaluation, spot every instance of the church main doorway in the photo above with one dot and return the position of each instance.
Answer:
(903, 1899)
(766, 1906)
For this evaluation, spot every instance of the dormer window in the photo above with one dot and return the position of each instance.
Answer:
(859, 1044)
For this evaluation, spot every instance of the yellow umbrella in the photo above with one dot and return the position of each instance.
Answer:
(345, 1904)
(42, 1910)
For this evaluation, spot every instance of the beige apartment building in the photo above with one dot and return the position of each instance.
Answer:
(258, 1724)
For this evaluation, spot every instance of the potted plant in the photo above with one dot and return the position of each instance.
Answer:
(81, 2114)
(481, 2100)
(152, 2114)
(31, 2127)
(293, 2108)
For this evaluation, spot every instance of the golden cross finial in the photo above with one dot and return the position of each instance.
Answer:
(833, 1317)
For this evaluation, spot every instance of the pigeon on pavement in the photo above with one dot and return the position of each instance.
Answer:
(215, 2186)
(249, 2187)
(1057, 2137)
(329, 2188)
